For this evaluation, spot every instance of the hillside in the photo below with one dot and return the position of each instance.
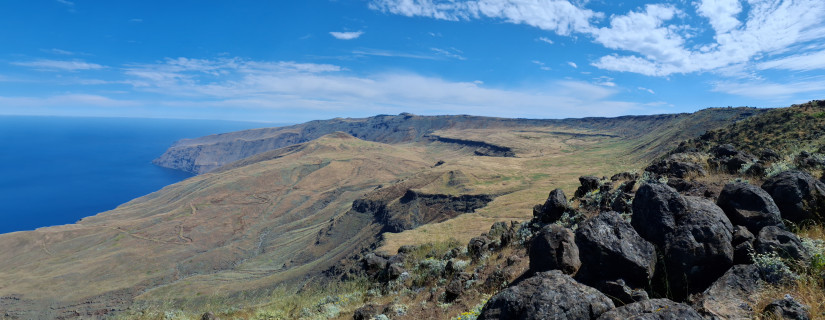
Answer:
(651, 133)
(276, 217)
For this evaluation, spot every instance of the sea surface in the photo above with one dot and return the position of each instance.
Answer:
(57, 170)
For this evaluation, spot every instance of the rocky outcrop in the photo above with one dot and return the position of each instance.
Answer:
(784, 243)
(748, 205)
(481, 148)
(676, 168)
(787, 308)
(610, 249)
(798, 195)
(553, 208)
(742, 245)
(547, 295)
(693, 234)
(656, 309)
(554, 248)
(732, 295)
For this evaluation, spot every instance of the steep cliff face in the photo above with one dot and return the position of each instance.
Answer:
(205, 154)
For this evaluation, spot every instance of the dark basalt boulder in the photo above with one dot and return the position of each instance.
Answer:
(610, 249)
(547, 295)
(553, 208)
(655, 208)
(798, 195)
(588, 183)
(782, 242)
(724, 150)
(620, 293)
(700, 249)
(367, 312)
(655, 309)
(742, 245)
(787, 308)
(671, 167)
(624, 176)
(554, 248)
(478, 246)
(374, 265)
(750, 206)
(769, 155)
(693, 233)
(732, 295)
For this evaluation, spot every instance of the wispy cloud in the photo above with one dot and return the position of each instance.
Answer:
(66, 101)
(288, 85)
(772, 90)
(449, 53)
(58, 51)
(572, 64)
(544, 39)
(541, 65)
(59, 65)
(647, 90)
(136, 20)
(388, 53)
(65, 2)
(654, 40)
(346, 35)
(800, 62)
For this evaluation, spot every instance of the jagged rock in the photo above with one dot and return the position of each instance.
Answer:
(588, 183)
(610, 249)
(455, 287)
(209, 316)
(406, 249)
(757, 170)
(798, 195)
(554, 248)
(787, 308)
(553, 208)
(622, 202)
(690, 188)
(769, 155)
(732, 295)
(624, 176)
(374, 265)
(620, 293)
(724, 150)
(750, 206)
(782, 242)
(742, 245)
(547, 295)
(394, 271)
(808, 160)
(655, 208)
(478, 246)
(655, 309)
(693, 233)
(672, 167)
(367, 312)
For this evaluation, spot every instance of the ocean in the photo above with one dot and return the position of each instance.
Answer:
(57, 170)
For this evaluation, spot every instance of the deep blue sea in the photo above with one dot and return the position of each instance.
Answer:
(57, 170)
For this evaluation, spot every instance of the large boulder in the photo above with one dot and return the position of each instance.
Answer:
(783, 243)
(750, 206)
(547, 295)
(588, 183)
(787, 308)
(553, 208)
(374, 265)
(655, 309)
(732, 295)
(655, 209)
(700, 249)
(554, 248)
(610, 249)
(693, 233)
(742, 245)
(798, 195)
(675, 168)
(478, 246)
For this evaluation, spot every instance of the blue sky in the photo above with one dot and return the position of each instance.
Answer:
(293, 61)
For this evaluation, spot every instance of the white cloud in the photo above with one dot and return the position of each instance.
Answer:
(387, 53)
(800, 62)
(59, 51)
(559, 16)
(449, 53)
(572, 64)
(773, 91)
(65, 101)
(346, 35)
(136, 20)
(65, 2)
(646, 89)
(655, 40)
(239, 83)
(605, 81)
(541, 65)
(544, 39)
(59, 65)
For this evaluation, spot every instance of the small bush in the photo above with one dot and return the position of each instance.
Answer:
(773, 268)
